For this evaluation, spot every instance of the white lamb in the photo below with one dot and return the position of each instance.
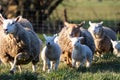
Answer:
(81, 53)
(116, 48)
(50, 53)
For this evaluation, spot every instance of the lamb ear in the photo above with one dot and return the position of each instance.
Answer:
(45, 36)
(54, 36)
(18, 18)
(101, 23)
(111, 41)
(90, 23)
(66, 24)
(81, 24)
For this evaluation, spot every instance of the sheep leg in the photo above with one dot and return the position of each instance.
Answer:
(13, 68)
(77, 64)
(89, 61)
(83, 62)
(20, 69)
(73, 63)
(48, 63)
(34, 67)
(87, 64)
(51, 63)
(44, 65)
(56, 64)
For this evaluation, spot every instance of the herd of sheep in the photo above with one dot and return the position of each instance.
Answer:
(74, 45)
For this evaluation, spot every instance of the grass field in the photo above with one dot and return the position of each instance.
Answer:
(106, 68)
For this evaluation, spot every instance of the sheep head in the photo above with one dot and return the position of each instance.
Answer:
(49, 40)
(73, 29)
(116, 47)
(96, 28)
(76, 41)
(9, 25)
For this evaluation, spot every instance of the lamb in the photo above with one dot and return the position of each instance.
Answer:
(74, 30)
(116, 47)
(81, 53)
(18, 45)
(102, 36)
(50, 53)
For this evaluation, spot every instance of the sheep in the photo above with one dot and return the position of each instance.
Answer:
(25, 23)
(109, 32)
(116, 47)
(18, 46)
(81, 53)
(102, 36)
(50, 53)
(74, 30)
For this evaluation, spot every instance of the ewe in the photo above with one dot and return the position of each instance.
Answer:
(18, 45)
(50, 53)
(102, 36)
(81, 53)
(116, 48)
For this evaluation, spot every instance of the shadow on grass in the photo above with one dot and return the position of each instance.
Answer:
(111, 64)
(19, 76)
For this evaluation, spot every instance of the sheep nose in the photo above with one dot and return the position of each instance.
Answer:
(48, 43)
(6, 31)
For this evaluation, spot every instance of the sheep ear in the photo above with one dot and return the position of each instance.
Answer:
(111, 41)
(1, 19)
(81, 24)
(81, 38)
(18, 18)
(45, 36)
(90, 23)
(66, 24)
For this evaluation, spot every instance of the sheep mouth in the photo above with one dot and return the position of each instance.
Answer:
(6, 32)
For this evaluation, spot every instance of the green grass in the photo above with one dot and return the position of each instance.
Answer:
(105, 68)
(88, 10)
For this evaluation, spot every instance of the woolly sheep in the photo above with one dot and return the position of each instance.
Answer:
(109, 32)
(74, 30)
(81, 53)
(18, 46)
(50, 53)
(116, 48)
(102, 36)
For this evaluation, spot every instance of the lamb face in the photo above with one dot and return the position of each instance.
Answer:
(96, 28)
(76, 41)
(49, 40)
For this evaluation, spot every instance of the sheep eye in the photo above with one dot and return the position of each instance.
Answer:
(12, 23)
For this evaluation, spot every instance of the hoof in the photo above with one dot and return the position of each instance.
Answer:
(11, 72)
